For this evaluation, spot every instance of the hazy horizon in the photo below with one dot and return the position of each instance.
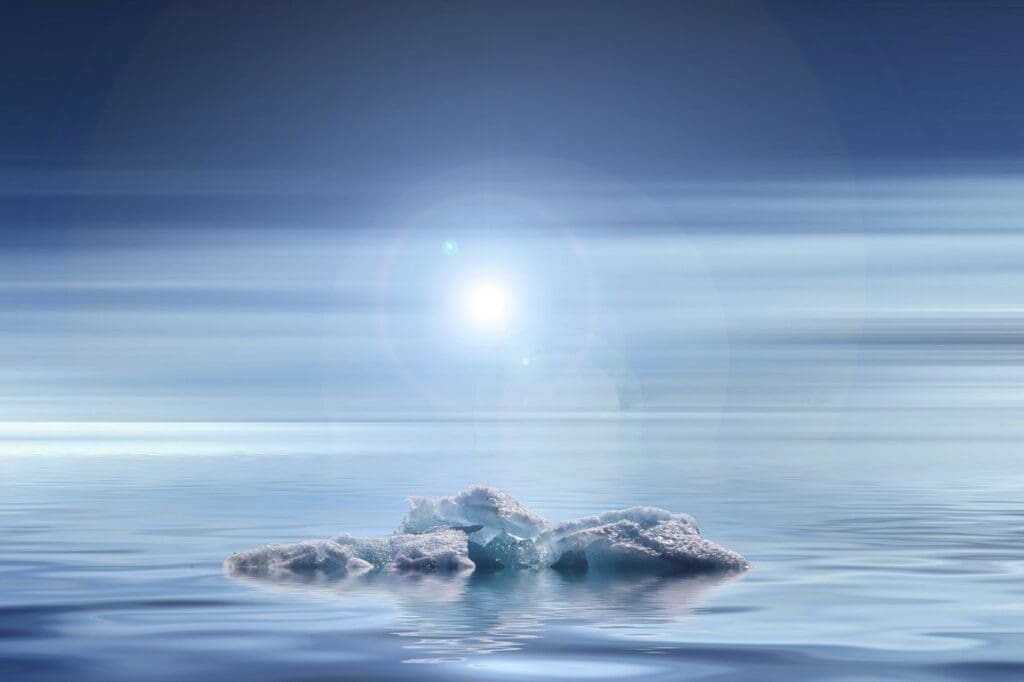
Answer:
(848, 293)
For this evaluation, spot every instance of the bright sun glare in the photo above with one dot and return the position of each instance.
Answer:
(486, 305)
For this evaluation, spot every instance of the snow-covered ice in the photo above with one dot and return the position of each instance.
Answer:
(494, 509)
(484, 528)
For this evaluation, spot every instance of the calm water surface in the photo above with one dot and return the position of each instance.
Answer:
(879, 551)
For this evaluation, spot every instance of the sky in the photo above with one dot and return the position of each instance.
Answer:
(341, 210)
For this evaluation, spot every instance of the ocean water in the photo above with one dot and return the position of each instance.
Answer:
(884, 545)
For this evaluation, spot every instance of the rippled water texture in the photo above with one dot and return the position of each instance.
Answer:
(877, 552)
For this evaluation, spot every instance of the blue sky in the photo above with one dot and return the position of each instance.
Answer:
(239, 211)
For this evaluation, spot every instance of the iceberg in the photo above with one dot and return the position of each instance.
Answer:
(486, 529)
(443, 550)
(495, 510)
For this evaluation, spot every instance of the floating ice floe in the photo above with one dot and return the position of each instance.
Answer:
(484, 528)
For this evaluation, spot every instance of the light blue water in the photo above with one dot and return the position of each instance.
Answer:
(883, 546)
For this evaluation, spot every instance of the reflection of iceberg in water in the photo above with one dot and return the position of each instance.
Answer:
(447, 617)
(471, 574)
(486, 529)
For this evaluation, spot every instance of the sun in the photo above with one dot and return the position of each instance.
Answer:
(486, 305)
